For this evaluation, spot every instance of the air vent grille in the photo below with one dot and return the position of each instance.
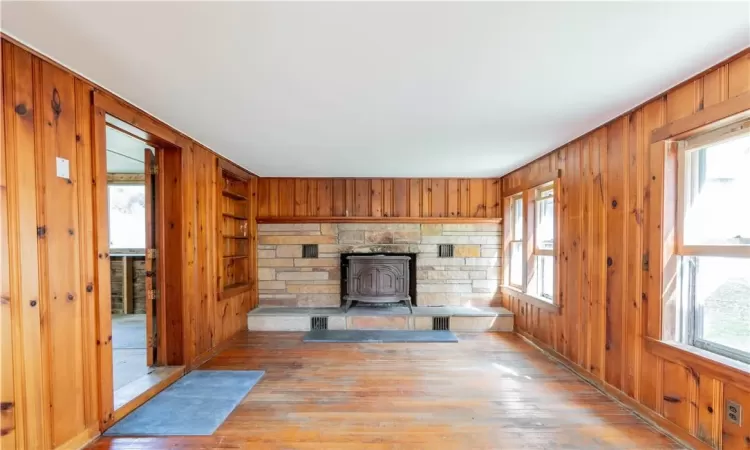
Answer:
(445, 250)
(319, 323)
(310, 250)
(441, 323)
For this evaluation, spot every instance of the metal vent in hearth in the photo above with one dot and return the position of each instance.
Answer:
(441, 323)
(310, 250)
(445, 250)
(319, 323)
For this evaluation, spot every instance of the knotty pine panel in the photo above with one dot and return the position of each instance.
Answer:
(49, 258)
(379, 197)
(7, 395)
(610, 217)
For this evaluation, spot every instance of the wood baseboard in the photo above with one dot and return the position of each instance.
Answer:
(82, 439)
(651, 417)
(210, 353)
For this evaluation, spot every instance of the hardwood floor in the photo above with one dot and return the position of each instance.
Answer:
(489, 391)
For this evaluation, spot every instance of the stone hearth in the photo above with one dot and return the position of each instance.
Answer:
(469, 278)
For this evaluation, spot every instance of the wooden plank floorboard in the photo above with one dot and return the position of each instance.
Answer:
(489, 391)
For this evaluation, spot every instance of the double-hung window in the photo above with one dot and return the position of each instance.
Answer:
(544, 242)
(530, 255)
(713, 241)
(515, 246)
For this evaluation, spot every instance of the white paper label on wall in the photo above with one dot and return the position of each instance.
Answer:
(63, 168)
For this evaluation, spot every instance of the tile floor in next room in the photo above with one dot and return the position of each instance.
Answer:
(489, 391)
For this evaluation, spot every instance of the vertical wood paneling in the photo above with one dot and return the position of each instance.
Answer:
(636, 151)
(7, 396)
(338, 195)
(453, 193)
(476, 198)
(387, 199)
(286, 197)
(492, 197)
(380, 197)
(400, 197)
(54, 263)
(438, 199)
(376, 197)
(362, 197)
(463, 198)
(32, 417)
(415, 197)
(616, 252)
(738, 78)
(87, 241)
(299, 198)
(325, 198)
(574, 252)
(612, 201)
(654, 117)
(61, 299)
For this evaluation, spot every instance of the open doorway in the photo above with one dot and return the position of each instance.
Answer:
(131, 201)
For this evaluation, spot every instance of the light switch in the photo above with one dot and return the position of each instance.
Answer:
(63, 168)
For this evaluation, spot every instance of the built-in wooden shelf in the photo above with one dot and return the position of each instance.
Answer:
(314, 219)
(235, 256)
(231, 290)
(232, 216)
(236, 265)
(233, 195)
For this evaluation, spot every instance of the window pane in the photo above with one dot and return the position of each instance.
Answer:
(517, 219)
(516, 263)
(545, 276)
(717, 187)
(127, 216)
(545, 223)
(721, 292)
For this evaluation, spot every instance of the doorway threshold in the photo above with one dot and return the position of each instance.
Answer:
(140, 390)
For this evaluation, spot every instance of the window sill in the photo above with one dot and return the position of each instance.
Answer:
(718, 366)
(539, 302)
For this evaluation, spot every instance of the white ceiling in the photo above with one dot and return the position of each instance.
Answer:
(383, 89)
(125, 154)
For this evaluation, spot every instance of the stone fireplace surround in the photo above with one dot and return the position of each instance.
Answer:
(469, 278)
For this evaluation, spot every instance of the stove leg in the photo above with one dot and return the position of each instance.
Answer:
(348, 305)
(408, 303)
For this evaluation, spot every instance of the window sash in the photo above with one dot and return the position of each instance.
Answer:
(510, 263)
(691, 321)
(686, 189)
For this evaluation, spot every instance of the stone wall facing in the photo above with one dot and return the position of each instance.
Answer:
(470, 277)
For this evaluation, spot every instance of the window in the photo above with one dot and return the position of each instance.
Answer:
(544, 242)
(713, 242)
(515, 247)
(127, 216)
(531, 257)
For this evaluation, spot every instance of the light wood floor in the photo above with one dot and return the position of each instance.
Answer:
(489, 391)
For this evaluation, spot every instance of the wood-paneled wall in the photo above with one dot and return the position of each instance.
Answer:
(611, 203)
(379, 197)
(48, 257)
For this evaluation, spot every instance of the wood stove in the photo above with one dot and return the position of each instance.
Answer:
(377, 279)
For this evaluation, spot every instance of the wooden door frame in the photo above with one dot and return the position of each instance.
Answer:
(169, 237)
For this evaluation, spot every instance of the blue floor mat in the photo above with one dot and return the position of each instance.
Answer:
(196, 405)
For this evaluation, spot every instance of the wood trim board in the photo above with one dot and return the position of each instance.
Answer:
(313, 219)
